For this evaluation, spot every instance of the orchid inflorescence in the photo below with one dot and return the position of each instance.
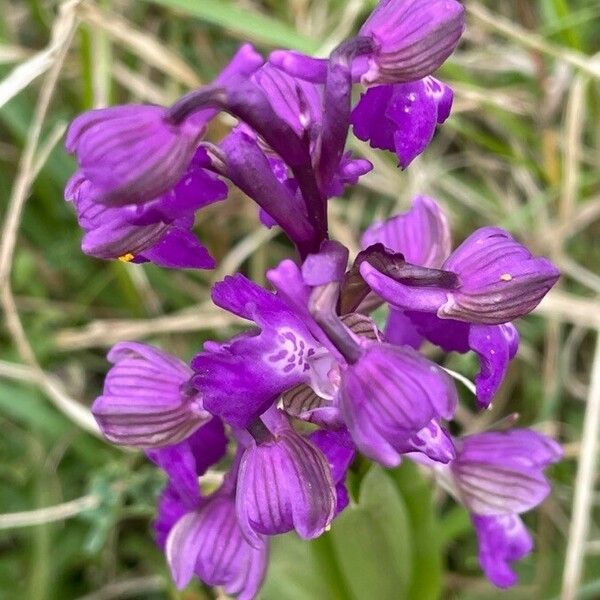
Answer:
(314, 381)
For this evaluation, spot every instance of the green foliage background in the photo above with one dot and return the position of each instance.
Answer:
(521, 151)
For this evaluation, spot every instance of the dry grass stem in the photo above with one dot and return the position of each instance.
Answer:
(22, 75)
(145, 46)
(141, 88)
(584, 485)
(129, 588)
(49, 514)
(101, 334)
(574, 125)
(571, 309)
(525, 38)
(232, 261)
(64, 30)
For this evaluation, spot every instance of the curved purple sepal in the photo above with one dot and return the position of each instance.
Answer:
(285, 483)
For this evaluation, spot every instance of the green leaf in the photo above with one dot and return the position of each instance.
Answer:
(293, 571)
(372, 541)
(366, 554)
(426, 580)
(243, 22)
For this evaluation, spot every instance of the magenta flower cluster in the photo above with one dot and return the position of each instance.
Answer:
(313, 380)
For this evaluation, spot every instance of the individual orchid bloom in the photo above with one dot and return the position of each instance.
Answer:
(289, 349)
(147, 400)
(494, 280)
(391, 399)
(411, 112)
(135, 153)
(501, 472)
(159, 231)
(498, 475)
(412, 38)
(284, 483)
(131, 153)
(422, 236)
(409, 40)
(200, 534)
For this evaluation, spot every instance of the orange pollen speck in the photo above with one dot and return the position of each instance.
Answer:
(126, 257)
(506, 277)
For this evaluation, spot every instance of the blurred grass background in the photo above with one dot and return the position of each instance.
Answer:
(521, 151)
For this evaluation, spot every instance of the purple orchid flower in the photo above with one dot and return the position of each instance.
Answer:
(284, 483)
(498, 475)
(147, 400)
(390, 398)
(131, 153)
(135, 153)
(200, 534)
(312, 381)
(411, 112)
(422, 235)
(412, 38)
(409, 39)
(159, 231)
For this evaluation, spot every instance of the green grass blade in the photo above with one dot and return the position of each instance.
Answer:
(243, 22)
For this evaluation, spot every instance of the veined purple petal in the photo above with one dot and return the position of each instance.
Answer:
(338, 448)
(399, 295)
(402, 118)
(209, 542)
(500, 473)
(502, 540)
(390, 394)
(495, 346)
(131, 153)
(422, 234)
(146, 401)
(196, 189)
(287, 279)
(158, 231)
(259, 367)
(500, 279)
(109, 233)
(285, 484)
(413, 38)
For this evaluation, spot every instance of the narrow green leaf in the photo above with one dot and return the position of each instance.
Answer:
(293, 572)
(372, 541)
(426, 580)
(243, 22)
